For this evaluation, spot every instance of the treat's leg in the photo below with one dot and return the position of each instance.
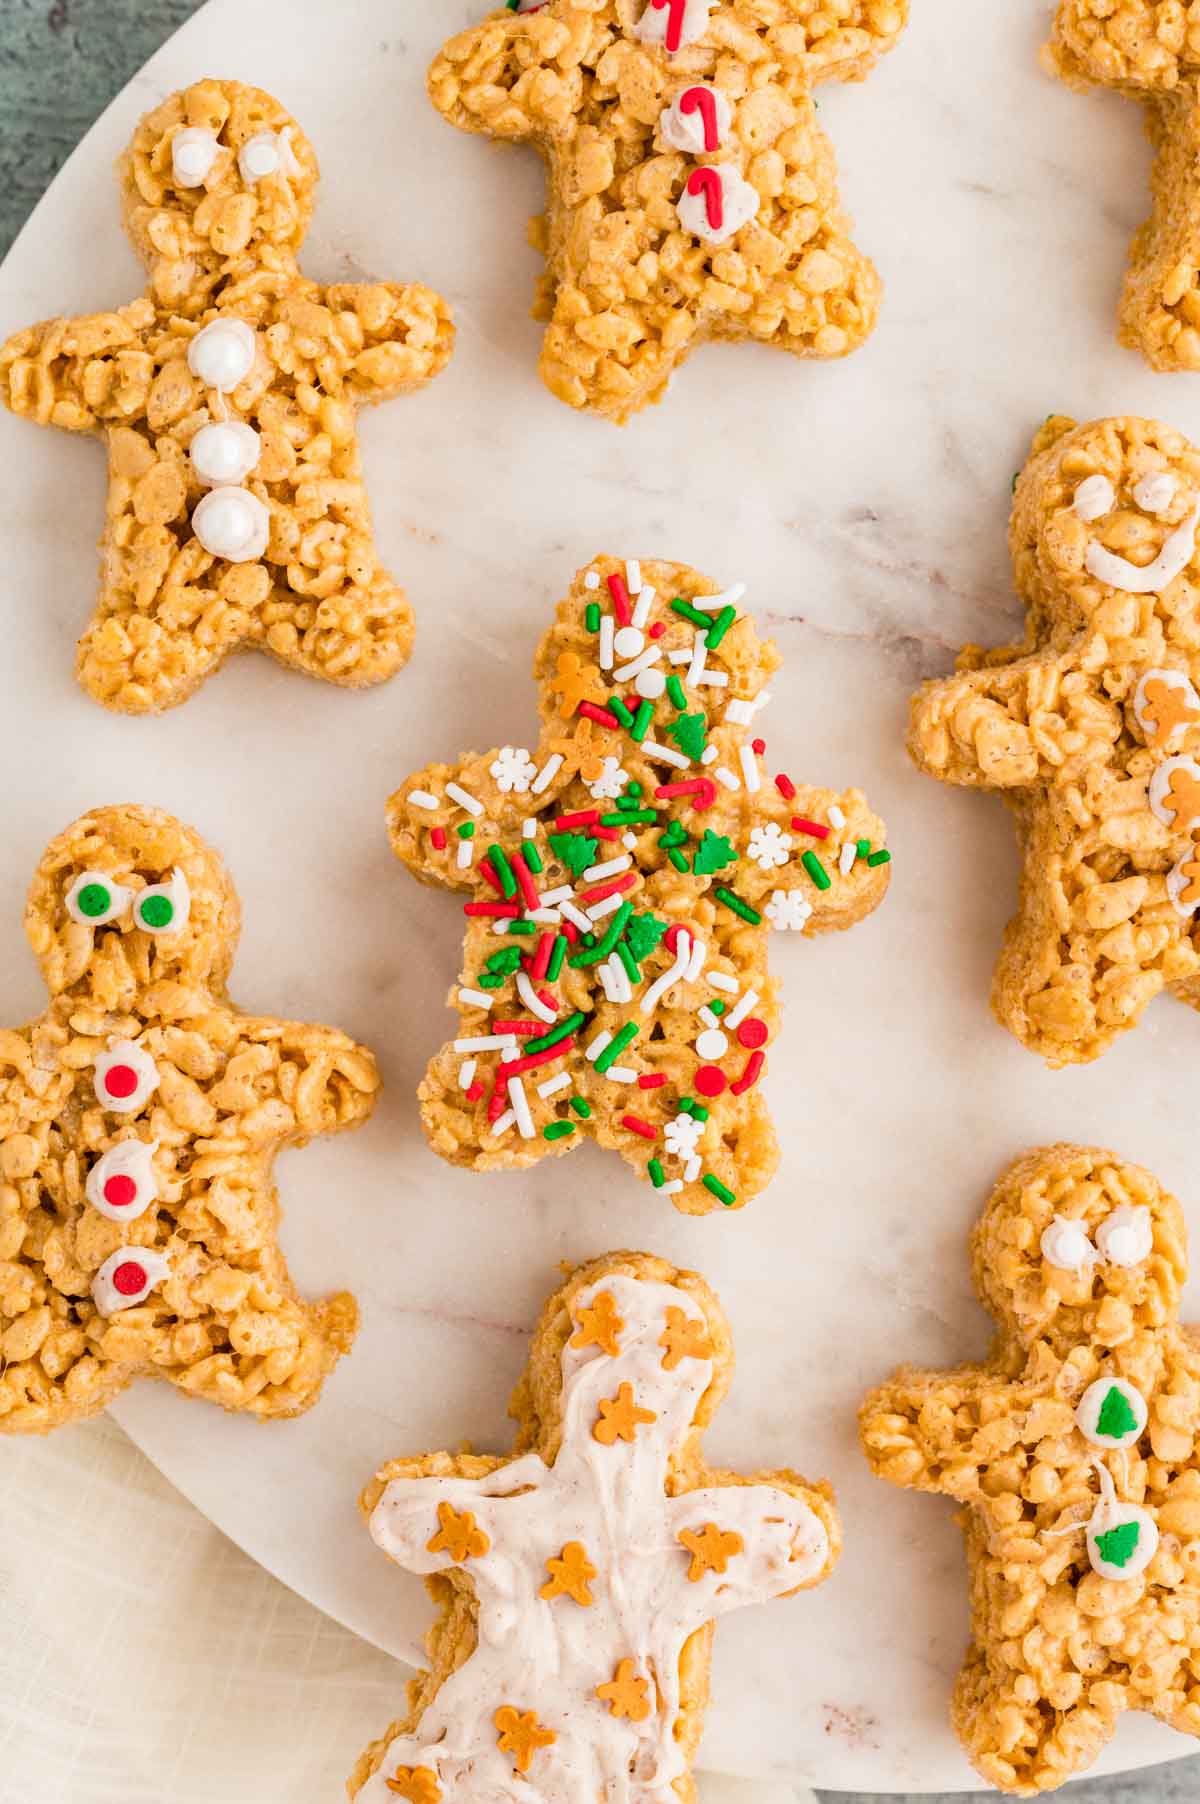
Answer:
(135, 664)
(1160, 306)
(258, 1347)
(359, 632)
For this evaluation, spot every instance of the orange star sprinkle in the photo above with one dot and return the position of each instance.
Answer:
(570, 1574)
(1183, 798)
(619, 1417)
(599, 1325)
(1168, 707)
(457, 1535)
(521, 1735)
(576, 682)
(684, 1338)
(711, 1549)
(626, 1694)
(416, 1784)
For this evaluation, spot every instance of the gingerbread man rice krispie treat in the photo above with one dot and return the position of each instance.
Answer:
(577, 1581)
(1150, 50)
(623, 879)
(1091, 731)
(140, 1116)
(1073, 1454)
(691, 194)
(237, 511)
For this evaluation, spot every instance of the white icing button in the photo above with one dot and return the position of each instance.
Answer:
(651, 28)
(1162, 803)
(683, 128)
(1133, 579)
(628, 641)
(224, 455)
(1111, 1413)
(94, 899)
(259, 157)
(1094, 498)
(193, 153)
(127, 1278)
(122, 1184)
(650, 684)
(1154, 494)
(1121, 1539)
(1126, 1236)
(125, 1077)
(1065, 1244)
(164, 907)
(739, 204)
(1173, 679)
(233, 524)
(223, 354)
(712, 1044)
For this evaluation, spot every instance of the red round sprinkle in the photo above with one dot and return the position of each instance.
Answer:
(120, 1190)
(753, 1032)
(759, 746)
(710, 1080)
(121, 1081)
(129, 1278)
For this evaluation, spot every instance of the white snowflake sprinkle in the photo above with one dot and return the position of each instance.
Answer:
(769, 846)
(682, 1135)
(610, 783)
(788, 911)
(513, 768)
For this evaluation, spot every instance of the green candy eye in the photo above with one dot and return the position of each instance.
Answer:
(165, 907)
(94, 899)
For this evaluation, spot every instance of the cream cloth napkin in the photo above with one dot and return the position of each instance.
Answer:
(145, 1658)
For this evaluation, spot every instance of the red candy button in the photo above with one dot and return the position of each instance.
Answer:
(129, 1278)
(752, 1032)
(710, 1080)
(121, 1081)
(120, 1191)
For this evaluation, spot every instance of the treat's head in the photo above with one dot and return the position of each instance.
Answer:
(1135, 46)
(1105, 530)
(1075, 1247)
(218, 180)
(132, 911)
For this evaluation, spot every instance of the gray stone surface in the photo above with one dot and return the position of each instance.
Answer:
(61, 62)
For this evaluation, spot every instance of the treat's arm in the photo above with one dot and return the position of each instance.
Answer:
(498, 820)
(81, 374)
(331, 1082)
(1005, 726)
(840, 891)
(516, 75)
(925, 1431)
(407, 335)
(847, 49)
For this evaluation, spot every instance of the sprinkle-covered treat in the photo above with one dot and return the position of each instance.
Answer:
(577, 1581)
(237, 512)
(623, 879)
(139, 1120)
(1072, 1452)
(1090, 729)
(1149, 50)
(691, 194)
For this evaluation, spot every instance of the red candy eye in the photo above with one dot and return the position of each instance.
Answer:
(752, 1032)
(129, 1278)
(120, 1191)
(121, 1081)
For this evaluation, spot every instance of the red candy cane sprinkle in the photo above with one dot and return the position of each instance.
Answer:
(750, 1075)
(674, 32)
(707, 182)
(584, 818)
(651, 1080)
(525, 883)
(703, 788)
(599, 714)
(703, 101)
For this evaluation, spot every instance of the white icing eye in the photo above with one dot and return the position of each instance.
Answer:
(650, 684)
(223, 455)
(1126, 1237)
(233, 524)
(125, 1077)
(1094, 498)
(697, 120)
(193, 153)
(1154, 494)
(122, 1184)
(127, 1278)
(266, 153)
(222, 355)
(164, 907)
(1111, 1413)
(1065, 1244)
(94, 899)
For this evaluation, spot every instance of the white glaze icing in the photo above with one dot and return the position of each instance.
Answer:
(224, 454)
(1177, 552)
(1094, 498)
(1126, 1237)
(1160, 789)
(131, 1160)
(119, 898)
(739, 201)
(223, 353)
(1091, 1404)
(549, 1655)
(125, 1053)
(233, 524)
(193, 153)
(109, 1296)
(1065, 1244)
(651, 28)
(1155, 493)
(177, 893)
(684, 130)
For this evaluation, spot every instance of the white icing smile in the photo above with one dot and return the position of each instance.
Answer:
(1133, 579)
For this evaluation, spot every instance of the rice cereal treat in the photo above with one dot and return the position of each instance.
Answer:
(577, 1580)
(1150, 51)
(623, 879)
(1072, 1452)
(227, 397)
(691, 194)
(140, 1116)
(1090, 729)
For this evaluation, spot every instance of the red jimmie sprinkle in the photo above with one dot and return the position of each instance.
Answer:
(497, 909)
(601, 714)
(785, 786)
(529, 1028)
(497, 1099)
(514, 1067)
(750, 1075)
(651, 1080)
(606, 832)
(620, 596)
(636, 1125)
(547, 998)
(583, 819)
(541, 958)
(437, 838)
(812, 827)
(475, 1092)
(612, 888)
(571, 932)
(487, 871)
(525, 883)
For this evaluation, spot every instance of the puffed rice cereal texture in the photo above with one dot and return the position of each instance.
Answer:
(228, 1091)
(317, 597)
(629, 291)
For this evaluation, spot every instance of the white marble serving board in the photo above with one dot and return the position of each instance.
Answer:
(864, 503)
